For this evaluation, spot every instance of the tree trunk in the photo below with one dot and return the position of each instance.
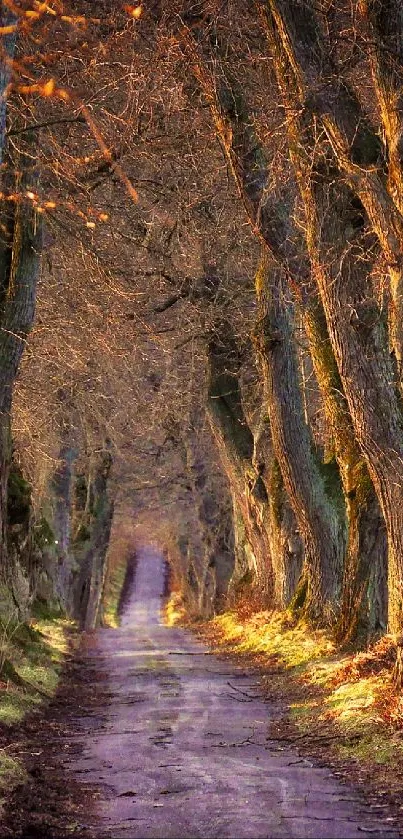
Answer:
(235, 444)
(286, 545)
(22, 556)
(249, 168)
(337, 240)
(215, 519)
(96, 561)
(356, 147)
(366, 545)
(319, 520)
(91, 553)
(61, 488)
(271, 220)
(8, 27)
(384, 28)
(20, 257)
(360, 342)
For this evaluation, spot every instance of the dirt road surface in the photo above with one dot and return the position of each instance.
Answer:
(182, 750)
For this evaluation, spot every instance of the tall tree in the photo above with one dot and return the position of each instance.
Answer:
(337, 237)
(235, 442)
(20, 259)
(271, 220)
(383, 26)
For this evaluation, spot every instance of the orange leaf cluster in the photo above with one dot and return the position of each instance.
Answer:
(134, 11)
(378, 657)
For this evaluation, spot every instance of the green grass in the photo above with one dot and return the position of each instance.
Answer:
(12, 773)
(374, 747)
(14, 705)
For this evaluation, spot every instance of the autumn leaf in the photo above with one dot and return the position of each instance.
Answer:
(134, 11)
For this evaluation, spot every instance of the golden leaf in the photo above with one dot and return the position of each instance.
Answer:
(48, 88)
(134, 11)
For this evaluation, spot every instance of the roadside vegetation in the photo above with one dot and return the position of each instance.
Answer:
(112, 596)
(339, 705)
(32, 654)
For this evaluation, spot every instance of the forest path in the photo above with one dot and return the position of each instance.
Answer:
(182, 750)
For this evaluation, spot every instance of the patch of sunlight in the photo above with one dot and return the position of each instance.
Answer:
(54, 634)
(351, 707)
(153, 663)
(351, 698)
(321, 671)
(231, 629)
(273, 635)
(301, 710)
(141, 653)
(174, 611)
(43, 677)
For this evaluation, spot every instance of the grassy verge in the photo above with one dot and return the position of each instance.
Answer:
(31, 659)
(114, 590)
(340, 707)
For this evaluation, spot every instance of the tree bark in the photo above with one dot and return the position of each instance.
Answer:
(92, 558)
(271, 221)
(236, 446)
(286, 545)
(214, 515)
(357, 149)
(362, 604)
(8, 25)
(272, 226)
(20, 259)
(320, 522)
(384, 29)
(61, 488)
(337, 239)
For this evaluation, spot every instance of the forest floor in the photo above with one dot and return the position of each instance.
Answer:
(152, 734)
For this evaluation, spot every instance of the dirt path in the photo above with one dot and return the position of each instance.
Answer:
(167, 740)
(181, 750)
